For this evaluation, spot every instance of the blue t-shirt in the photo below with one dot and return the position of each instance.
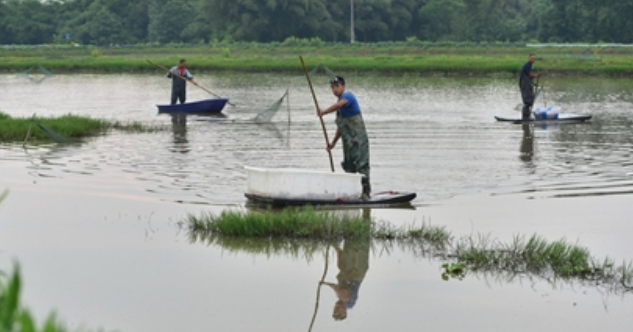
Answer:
(351, 108)
(527, 69)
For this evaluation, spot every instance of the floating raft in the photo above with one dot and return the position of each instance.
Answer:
(562, 117)
(206, 106)
(292, 187)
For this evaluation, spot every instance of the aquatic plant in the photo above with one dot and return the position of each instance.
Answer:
(289, 223)
(259, 232)
(298, 223)
(138, 127)
(70, 126)
(66, 128)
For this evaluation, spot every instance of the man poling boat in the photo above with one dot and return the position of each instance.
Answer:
(351, 128)
(178, 85)
(527, 86)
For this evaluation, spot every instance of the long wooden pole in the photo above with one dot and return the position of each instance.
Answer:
(28, 132)
(185, 79)
(316, 103)
(318, 296)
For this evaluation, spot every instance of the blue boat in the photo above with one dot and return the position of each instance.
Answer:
(207, 106)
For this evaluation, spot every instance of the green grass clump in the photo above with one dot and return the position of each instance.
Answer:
(72, 126)
(289, 223)
(138, 127)
(534, 255)
(66, 128)
(308, 223)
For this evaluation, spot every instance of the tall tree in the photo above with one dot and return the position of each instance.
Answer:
(167, 20)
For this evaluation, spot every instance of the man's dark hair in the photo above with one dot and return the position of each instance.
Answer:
(182, 61)
(336, 80)
(531, 55)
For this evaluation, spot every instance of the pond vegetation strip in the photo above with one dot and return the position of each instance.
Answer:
(475, 253)
(63, 129)
(390, 58)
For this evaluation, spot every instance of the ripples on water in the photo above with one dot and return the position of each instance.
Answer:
(435, 136)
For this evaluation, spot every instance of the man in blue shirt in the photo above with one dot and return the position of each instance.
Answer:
(527, 86)
(350, 127)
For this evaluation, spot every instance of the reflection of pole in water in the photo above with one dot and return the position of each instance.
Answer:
(318, 296)
(527, 143)
(288, 103)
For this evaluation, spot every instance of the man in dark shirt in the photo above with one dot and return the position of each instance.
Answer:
(527, 86)
(179, 76)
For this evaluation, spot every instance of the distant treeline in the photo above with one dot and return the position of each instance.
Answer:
(104, 22)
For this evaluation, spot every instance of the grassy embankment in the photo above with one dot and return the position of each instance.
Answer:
(387, 57)
(71, 127)
(533, 255)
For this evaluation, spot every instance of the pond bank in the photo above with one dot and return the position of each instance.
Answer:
(459, 61)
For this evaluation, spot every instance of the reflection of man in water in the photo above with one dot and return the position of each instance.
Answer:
(527, 143)
(353, 263)
(179, 128)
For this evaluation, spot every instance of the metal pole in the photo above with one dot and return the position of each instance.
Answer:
(352, 22)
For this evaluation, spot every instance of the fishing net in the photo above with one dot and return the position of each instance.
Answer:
(267, 114)
(44, 71)
(37, 73)
(321, 68)
(55, 136)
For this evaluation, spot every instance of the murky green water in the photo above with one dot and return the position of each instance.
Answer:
(95, 226)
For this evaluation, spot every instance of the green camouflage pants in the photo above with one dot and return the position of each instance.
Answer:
(355, 147)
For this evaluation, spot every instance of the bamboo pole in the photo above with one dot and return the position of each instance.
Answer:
(316, 103)
(28, 132)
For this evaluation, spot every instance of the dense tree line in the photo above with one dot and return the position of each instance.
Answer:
(103, 22)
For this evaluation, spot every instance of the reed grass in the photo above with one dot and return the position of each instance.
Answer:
(308, 223)
(15, 129)
(68, 126)
(289, 223)
(529, 255)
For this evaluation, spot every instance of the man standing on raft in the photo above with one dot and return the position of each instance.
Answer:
(351, 127)
(527, 86)
(179, 76)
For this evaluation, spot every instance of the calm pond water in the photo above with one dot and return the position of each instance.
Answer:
(95, 226)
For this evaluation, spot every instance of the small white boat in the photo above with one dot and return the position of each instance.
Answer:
(290, 186)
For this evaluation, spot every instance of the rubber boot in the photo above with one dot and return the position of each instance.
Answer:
(366, 190)
(527, 112)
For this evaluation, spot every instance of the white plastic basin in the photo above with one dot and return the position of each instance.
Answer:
(302, 183)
